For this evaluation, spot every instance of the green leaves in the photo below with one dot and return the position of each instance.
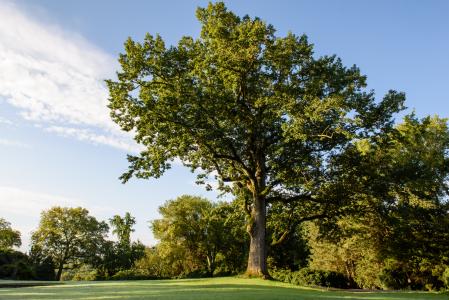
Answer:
(122, 227)
(239, 98)
(260, 112)
(201, 232)
(68, 235)
(8, 236)
(399, 184)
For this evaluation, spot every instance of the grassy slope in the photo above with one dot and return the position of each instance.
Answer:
(197, 289)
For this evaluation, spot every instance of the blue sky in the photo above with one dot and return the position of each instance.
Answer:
(57, 143)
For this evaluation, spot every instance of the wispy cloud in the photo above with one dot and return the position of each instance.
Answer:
(4, 121)
(13, 143)
(89, 136)
(55, 78)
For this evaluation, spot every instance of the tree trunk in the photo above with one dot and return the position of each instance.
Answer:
(60, 267)
(211, 264)
(257, 260)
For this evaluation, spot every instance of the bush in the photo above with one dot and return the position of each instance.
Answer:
(15, 265)
(132, 274)
(199, 273)
(310, 277)
(445, 278)
(393, 276)
(85, 273)
(67, 275)
(415, 275)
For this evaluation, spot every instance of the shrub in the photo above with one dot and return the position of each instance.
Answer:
(15, 265)
(415, 275)
(132, 274)
(310, 277)
(67, 275)
(199, 273)
(393, 276)
(85, 273)
(367, 273)
(445, 278)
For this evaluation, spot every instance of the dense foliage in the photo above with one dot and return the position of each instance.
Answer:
(69, 236)
(17, 265)
(203, 234)
(8, 237)
(118, 256)
(399, 236)
(254, 110)
(311, 277)
(328, 189)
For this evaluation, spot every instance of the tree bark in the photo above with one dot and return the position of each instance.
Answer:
(257, 259)
(211, 264)
(60, 268)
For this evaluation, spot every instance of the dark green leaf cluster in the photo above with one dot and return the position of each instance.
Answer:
(240, 103)
(396, 233)
(310, 277)
(8, 236)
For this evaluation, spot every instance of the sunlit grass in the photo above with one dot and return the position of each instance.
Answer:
(229, 288)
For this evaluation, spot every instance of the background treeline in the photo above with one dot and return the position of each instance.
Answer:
(69, 244)
(390, 232)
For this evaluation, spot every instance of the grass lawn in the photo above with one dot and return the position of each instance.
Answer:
(196, 289)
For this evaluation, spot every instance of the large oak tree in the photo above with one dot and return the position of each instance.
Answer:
(260, 113)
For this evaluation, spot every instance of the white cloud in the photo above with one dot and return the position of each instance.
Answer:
(12, 143)
(4, 121)
(55, 78)
(89, 136)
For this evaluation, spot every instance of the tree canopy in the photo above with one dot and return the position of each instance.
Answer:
(254, 110)
(399, 235)
(8, 236)
(122, 227)
(68, 236)
(120, 255)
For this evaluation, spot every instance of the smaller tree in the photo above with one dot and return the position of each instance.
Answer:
(8, 237)
(202, 233)
(68, 236)
(184, 227)
(122, 227)
(122, 254)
